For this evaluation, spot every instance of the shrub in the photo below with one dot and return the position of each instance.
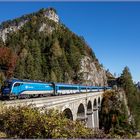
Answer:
(30, 122)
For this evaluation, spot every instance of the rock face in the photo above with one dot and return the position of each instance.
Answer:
(46, 28)
(51, 14)
(122, 97)
(91, 75)
(4, 32)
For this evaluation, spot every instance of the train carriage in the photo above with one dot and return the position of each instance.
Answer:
(66, 88)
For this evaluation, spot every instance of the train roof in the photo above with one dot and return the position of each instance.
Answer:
(30, 81)
(65, 84)
(58, 84)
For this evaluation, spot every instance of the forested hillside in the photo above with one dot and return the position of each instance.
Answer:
(38, 48)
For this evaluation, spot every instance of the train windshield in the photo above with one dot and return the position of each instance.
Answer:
(7, 84)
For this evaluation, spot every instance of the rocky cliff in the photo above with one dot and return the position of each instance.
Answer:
(92, 75)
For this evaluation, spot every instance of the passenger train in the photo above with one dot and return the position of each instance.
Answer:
(15, 88)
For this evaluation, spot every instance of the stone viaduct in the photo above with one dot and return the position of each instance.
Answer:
(84, 107)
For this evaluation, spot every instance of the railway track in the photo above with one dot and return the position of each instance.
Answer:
(48, 101)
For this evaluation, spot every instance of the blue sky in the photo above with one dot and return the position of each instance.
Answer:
(112, 29)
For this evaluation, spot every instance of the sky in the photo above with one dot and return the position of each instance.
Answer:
(111, 29)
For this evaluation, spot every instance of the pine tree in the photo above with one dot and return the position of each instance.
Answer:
(133, 96)
(127, 79)
(53, 76)
(20, 69)
(30, 67)
(36, 54)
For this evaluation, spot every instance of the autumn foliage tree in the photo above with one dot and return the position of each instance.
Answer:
(113, 116)
(7, 60)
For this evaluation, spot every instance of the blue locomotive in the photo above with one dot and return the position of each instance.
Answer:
(14, 88)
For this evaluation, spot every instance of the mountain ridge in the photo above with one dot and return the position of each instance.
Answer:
(47, 50)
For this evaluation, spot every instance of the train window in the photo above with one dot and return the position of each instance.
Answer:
(17, 84)
(67, 88)
(83, 88)
(6, 84)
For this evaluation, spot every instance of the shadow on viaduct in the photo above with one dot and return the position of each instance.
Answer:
(84, 109)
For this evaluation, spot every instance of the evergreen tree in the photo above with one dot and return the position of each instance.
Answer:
(45, 70)
(53, 76)
(30, 67)
(20, 69)
(133, 96)
(127, 81)
(36, 54)
(56, 50)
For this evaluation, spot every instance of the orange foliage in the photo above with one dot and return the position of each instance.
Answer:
(8, 59)
(114, 118)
